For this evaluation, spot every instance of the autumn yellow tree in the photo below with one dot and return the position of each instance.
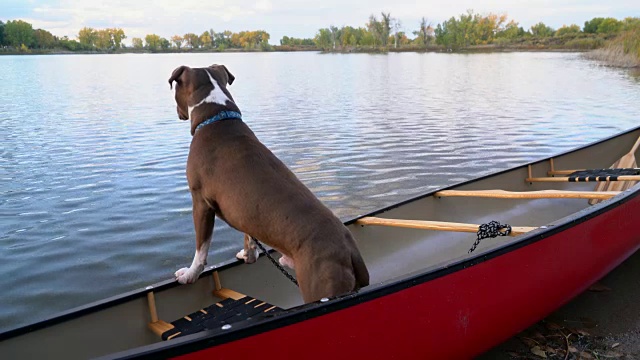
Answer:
(137, 43)
(87, 36)
(192, 40)
(177, 41)
(205, 40)
(103, 40)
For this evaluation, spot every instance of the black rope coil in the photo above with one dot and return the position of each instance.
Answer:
(490, 230)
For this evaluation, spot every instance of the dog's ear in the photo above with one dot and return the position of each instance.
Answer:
(176, 75)
(231, 77)
(229, 74)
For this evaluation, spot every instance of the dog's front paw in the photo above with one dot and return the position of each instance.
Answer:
(185, 276)
(240, 255)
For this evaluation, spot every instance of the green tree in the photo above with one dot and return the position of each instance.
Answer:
(44, 39)
(591, 26)
(70, 45)
(568, 30)
(385, 28)
(165, 44)
(376, 30)
(87, 37)
(289, 41)
(542, 30)
(2, 43)
(152, 41)
(137, 43)
(511, 31)
(222, 40)
(18, 33)
(323, 39)
(609, 26)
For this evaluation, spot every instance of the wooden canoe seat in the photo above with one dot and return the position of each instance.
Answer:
(233, 308)
(545, 194)
(434, 225)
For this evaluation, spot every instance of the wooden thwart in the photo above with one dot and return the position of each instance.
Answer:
(563, 172)
(434, 225)
(566, 179)
(545, 194)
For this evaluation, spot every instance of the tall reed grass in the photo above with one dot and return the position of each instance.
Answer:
(622, 51)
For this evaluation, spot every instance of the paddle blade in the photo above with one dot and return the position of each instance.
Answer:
(625, 162)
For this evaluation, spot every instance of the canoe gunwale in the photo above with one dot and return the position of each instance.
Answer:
(304, 312)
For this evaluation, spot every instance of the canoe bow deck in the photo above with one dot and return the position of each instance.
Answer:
(425, 288)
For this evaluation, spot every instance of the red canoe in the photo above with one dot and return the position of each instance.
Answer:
(428, 298)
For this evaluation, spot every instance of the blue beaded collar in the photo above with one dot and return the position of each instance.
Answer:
(223, 115)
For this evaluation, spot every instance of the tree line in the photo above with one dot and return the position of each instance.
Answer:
(379, 32)
(466, 30)
(20, 35)
(209, 39)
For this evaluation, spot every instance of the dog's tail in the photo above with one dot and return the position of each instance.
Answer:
(360, 270)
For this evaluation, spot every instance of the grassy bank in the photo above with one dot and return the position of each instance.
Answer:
(622, 51)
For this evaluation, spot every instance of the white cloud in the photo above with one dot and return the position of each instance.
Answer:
(263, 5)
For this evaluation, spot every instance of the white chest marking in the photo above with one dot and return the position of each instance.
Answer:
(216, 96)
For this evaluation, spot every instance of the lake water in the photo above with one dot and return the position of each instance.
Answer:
(93, 193)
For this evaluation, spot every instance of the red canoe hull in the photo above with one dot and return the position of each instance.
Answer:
(462, 313)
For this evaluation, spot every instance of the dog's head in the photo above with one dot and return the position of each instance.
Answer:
(195, 84)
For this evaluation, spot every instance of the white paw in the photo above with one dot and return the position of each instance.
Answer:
(249, 257)
(185, 276)
(286, 261)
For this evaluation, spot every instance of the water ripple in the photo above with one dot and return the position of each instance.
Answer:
(92, 163)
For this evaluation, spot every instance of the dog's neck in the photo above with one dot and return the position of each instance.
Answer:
(215, 105)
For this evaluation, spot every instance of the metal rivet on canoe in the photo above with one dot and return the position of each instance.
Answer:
(226, 327)
(543, 227)
(324, 300)
(149, 287)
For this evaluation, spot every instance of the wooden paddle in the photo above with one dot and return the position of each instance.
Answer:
(627, 161)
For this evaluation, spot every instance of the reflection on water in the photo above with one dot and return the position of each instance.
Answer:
(93, 194)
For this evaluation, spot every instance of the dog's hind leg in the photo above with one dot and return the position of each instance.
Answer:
(250, 252)
(324, 280)
(203, 219)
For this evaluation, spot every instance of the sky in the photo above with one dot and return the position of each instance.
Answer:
(301, 18)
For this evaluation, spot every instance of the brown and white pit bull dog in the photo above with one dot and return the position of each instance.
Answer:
(231, 174)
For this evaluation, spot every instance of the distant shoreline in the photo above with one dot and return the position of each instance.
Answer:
(364, 50)
(145, 51)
